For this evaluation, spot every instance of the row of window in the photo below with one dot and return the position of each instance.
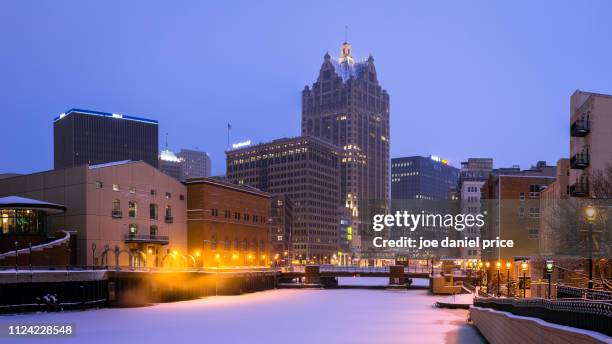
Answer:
(237, 216)
(133, 210)
(152, 192)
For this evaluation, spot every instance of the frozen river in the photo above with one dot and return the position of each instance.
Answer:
(285, 315)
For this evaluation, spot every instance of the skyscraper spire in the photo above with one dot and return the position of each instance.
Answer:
(345, 33)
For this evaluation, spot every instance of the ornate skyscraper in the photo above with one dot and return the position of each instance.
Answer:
(347, 107)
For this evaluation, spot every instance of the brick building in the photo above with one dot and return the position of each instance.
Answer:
(227, 224)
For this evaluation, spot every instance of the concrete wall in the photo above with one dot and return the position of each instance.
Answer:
(502, 327)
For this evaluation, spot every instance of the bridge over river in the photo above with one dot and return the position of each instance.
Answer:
(326, 275)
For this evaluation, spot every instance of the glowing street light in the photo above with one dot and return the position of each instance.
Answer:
(498, 266)
(524, 267)
(508, 266)
(590, 214)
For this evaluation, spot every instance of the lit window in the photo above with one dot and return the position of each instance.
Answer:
(133, 228)
(132, 189)
(115, 187)
(99, 184)
(168, 195)
(132, 209)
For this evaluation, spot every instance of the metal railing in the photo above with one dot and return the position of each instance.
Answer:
(580, 313)
(146, 238)
(565, 292)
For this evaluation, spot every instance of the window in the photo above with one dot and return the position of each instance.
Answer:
(236, 216)
(116, 205)
(182, 197)
(153, 211)
(115, 187)
(168, 195)
(133, 229)
(534, 190)
(132, 189)
(534, 212)
(214, 212)
(533, 233)
(521, 211)
(132, 209)
(227, 214)
(279, 238)
(99, 184)
(153, 230)
(168, 213)
(153, 192)
(246, 217)
(522, 196)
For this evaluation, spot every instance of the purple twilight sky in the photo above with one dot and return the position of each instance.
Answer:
(466, 78)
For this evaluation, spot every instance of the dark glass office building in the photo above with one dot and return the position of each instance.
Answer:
(92, 137)
(419, 177)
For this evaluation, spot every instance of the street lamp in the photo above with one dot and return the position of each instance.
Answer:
(93, 255)
(30, 255)
(16, 253)
(524, 267)
(550, 267)
(508, 266)
(590, 214)
(498, 266)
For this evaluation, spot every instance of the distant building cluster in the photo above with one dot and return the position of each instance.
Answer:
(113, 197)
(187, 163)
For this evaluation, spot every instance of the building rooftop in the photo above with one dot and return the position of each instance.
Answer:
(17, 202)
(109, 164)
(104, 114)
(227, 184)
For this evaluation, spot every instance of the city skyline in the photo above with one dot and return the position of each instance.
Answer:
(528, 71)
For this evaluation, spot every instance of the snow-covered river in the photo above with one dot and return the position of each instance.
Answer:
(275, 316)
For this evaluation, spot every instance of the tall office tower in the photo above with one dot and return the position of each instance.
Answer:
(590, 141)
(474, 173)
(92, 137)
(195, 163)
(348, 107)
(420, 177)
(307, 170)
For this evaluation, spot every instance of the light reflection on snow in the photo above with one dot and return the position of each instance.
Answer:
(284, 315)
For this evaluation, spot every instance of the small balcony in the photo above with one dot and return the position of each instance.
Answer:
(580, 189)
(116, 214)
(580, 161)
(146, 239)
(580, 128)
(169, 219)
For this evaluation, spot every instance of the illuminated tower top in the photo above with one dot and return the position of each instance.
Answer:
(345, 54)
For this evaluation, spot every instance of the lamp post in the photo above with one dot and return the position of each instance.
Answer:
(68, 258)
(217, 258)
(93, 256)
(498, 266)
(487, 265)
(590, 214)
(524, 267)
(16, 253)
(550, 267)
(508, 266)
(30, 255)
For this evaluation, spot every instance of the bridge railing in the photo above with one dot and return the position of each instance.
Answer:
(580, 313)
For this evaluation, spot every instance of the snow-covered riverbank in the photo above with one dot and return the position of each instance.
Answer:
(290, 316)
